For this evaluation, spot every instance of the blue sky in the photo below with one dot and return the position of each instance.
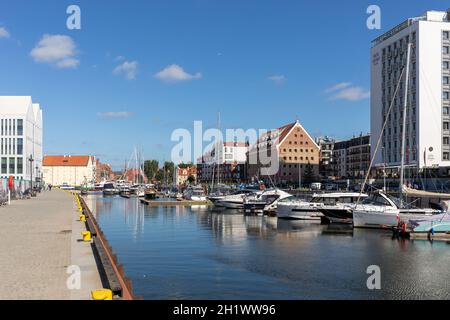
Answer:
(137, 70)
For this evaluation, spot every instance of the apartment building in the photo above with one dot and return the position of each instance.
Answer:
(326, 164)
(225, 163)
(351, 158)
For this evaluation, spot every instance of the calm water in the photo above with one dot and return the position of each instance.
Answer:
(192, 253)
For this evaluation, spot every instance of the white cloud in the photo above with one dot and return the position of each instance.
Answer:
(277, 79)
(119, 58)
(4, 33)
(128, 68)
(57, 50)
(338, 86)
(347, 91)
(114, 114)
(175, 73)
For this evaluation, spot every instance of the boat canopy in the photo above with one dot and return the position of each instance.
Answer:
(410, 192)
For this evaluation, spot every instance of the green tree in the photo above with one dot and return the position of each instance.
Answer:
(185, 165)
(151, 168)
(191, 179)
(308, 175)
(165, 174)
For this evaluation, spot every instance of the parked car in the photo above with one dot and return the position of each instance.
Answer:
(65, 186)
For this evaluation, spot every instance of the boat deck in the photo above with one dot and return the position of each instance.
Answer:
(173, 203)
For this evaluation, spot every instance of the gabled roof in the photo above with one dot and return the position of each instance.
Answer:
(66, 161)
(281, 133)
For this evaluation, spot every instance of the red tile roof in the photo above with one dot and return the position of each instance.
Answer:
(69, 161)
(285, 130)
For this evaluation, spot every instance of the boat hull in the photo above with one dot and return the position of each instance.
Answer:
(293, 213)
(334, 215)
(230, 204)
(375, 219)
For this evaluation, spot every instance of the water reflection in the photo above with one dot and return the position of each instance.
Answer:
(198, 253)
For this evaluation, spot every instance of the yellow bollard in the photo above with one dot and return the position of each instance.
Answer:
(86, 235)
(102, 294)
(82, 217)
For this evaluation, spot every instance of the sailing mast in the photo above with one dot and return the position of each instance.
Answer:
(221, 148)
(405, 104)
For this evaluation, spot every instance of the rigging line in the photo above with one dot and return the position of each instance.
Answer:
(380, 137)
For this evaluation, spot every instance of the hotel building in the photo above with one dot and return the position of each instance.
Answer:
(428, 110)
(20, 139)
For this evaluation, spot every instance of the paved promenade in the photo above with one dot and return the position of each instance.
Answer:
(40, 238)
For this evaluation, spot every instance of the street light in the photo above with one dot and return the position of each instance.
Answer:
(38, 181)
(31, 173)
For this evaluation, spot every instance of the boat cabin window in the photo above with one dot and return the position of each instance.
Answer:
(377, 200)
(288, 199)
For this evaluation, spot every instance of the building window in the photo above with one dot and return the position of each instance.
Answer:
(445, 65)
(19, 127)
(445, 80)
(446, 109)
(446, 156)
(445, 50)
(446, 125)
(19, 146)
(4, 166)
(446, 95)
(445, 35)
(12, 166)
(19, 166)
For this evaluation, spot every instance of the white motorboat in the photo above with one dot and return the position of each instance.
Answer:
(381, 211)
(301, 209)
(236, 199)
(266, 201)
(109, 188)
(195, 193)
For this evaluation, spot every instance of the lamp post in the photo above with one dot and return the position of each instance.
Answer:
(38, 182)
(31, 174)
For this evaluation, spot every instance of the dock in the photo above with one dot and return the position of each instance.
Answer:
(41, 239)
(175, 203)
(429, 236)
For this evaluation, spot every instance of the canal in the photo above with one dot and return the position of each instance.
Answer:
(196, 253)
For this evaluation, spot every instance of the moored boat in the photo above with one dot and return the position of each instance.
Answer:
(266, 201)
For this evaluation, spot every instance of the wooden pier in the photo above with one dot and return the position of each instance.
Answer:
(429, 236)
(175, 203)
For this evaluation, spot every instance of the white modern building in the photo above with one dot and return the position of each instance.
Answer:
(20, 138)
(231, 157)
(428, 111)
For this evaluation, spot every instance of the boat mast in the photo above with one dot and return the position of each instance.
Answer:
(405, 104)
(221, 149)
